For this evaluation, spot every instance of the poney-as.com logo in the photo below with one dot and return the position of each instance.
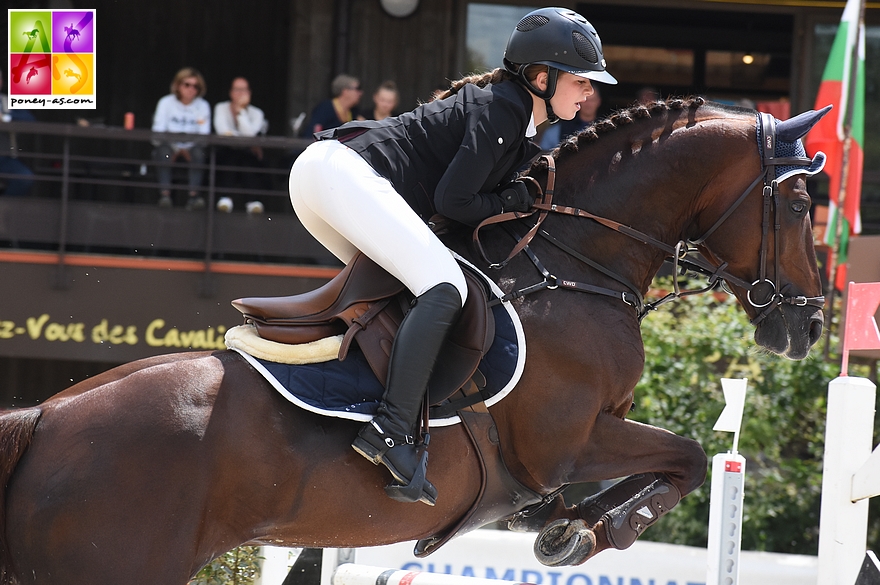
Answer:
(51, 59)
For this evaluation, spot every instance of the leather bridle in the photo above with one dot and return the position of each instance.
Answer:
(763, 293)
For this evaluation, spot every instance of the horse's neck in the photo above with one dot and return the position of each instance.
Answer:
(658, 207)
(652, 175)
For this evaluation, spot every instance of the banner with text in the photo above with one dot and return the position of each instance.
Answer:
(117, 315)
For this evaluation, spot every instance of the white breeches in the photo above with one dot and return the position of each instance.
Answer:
(348, 206)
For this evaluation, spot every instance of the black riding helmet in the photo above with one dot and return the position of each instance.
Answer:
(561, 39)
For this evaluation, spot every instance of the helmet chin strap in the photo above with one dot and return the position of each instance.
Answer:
(552, 77)
(551, 116)
(546, 94)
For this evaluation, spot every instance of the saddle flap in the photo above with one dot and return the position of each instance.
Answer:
(299, 334)
(466, 344)
(462, 351)
(362, 280)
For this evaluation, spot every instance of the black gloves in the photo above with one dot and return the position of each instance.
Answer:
(515, 197)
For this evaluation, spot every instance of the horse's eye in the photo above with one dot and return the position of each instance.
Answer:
(798, 207)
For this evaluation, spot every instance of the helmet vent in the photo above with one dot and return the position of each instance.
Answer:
(531, 22)
(585, 49)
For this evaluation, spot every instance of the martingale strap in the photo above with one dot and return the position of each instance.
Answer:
(551, 281)
(545, 195)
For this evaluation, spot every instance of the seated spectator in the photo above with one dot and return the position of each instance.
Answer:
(183, 110)
(647, 96)
(341, 108)
(385, 100)
(9, 163)
(238, 117)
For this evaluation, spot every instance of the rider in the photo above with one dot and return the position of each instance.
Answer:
(371, 186)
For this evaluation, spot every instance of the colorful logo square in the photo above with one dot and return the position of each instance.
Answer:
(30, 74)
(72, 73)
(72, 32)
(29, 31)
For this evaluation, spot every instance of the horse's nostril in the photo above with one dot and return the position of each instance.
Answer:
(816, 326)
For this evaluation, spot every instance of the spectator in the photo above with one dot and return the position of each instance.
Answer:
(647, 96)
(339, 109)
(385, 100)
(9, 163)
(183, 110)
(556, 133)
(238, 117)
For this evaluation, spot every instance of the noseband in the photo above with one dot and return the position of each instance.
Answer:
(763, 293)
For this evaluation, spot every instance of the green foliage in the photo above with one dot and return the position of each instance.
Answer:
(240, 566)
(690, 345)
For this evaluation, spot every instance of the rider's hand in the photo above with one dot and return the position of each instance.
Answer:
(515, 197)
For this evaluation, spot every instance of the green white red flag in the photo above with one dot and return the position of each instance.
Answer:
(840, 134)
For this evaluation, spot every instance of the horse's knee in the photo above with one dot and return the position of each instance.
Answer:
(693, 466)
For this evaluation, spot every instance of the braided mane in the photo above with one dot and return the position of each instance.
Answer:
(619, 119)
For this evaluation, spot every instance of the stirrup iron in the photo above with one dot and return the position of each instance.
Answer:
(414, 491)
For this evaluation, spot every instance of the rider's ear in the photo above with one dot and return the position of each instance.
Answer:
(541, 81)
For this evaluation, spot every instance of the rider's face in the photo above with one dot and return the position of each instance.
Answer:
(571, 91)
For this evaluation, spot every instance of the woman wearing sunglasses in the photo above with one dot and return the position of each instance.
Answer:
(183, 110)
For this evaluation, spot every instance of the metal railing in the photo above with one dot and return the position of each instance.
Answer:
(77, 169)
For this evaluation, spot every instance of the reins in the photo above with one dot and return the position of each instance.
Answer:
(761, 294)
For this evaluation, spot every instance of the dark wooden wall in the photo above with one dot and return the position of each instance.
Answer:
(418, 52)
(288, 49)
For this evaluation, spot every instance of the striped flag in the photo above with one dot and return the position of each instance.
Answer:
(841, 134)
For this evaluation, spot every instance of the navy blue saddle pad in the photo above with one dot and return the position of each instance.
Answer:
(349, 389)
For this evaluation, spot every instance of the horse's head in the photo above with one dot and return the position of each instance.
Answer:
(765, 237)
(726, 179)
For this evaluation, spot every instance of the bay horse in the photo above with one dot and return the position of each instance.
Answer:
(150, 470)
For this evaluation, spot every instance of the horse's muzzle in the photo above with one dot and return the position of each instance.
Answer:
(791, 331)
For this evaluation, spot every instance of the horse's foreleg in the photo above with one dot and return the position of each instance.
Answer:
(613, 518)
(619, 447)
(661, 468)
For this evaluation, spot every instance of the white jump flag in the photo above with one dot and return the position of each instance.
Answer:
(731, 417)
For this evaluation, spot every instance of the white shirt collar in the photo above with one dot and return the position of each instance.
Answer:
(532, 129)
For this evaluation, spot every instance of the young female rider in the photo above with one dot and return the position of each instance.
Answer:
(370, 186)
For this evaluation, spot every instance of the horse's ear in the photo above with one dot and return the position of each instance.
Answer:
(794, 128)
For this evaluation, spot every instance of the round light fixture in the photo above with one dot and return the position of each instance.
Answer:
(399, 8)
(748, 59)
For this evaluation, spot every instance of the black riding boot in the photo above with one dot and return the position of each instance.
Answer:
(389, 438)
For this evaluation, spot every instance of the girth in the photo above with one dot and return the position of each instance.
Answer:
(365, 304)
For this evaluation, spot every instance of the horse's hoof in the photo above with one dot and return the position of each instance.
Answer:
(564, 542)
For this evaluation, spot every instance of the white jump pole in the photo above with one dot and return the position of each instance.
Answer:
(351, 574)
(850, 475)
(332, 559)
(726, 495)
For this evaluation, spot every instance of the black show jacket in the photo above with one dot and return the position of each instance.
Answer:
(448, 156)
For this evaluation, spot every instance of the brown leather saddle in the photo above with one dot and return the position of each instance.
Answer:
(365, 304)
